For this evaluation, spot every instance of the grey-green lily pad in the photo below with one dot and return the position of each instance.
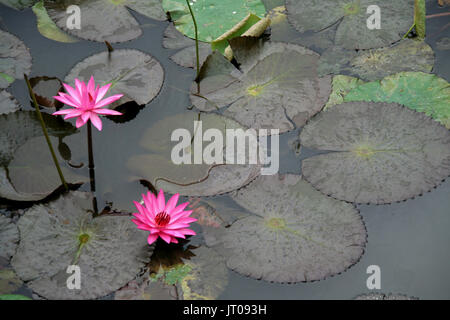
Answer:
(33, 172)
(214, 17)
(277, 85)
(47, 27)
(351, 16)
(342, 85)
(203, 179)
(18, 4)
(9, 281)
(294, 234)
(443, 43)
(378, 152)
(375, 64)
(419, 91)
(136, 75)
(7, 103)
(186, 56)
(207, 278)
(146, 290)
(382, 296)
(105, 20)
(109, 250)
(15, 59)
(9, 237)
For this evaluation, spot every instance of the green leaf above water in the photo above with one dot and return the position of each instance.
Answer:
(14, 297)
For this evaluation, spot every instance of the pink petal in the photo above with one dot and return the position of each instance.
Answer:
(65, 100)
(60, 112)
(152, 238)
(165, 237)
(107, 112)
(179, 208)
(141, 225)
(188, 232)
(172, 203)
(85, 116)
(174, 240)
(161, 201)
(96, 121)
(73, 93)
(91, 86)
(108, 100)
(175, 233)
(79, 88)
(102, 91)
(183, 220)
(80, 122)
(75, 113)
(176, 226)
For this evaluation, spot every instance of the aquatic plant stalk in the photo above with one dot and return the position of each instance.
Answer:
(196, 44)
(91, 167)
(44, 130)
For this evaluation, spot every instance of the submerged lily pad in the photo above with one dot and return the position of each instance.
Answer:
(295, 233)
(407, 55)
(380, 152)
(15, 59)
(47, 27)
(105, 20)
(419, 91)
(33, 172)
(9, 237)
(7, 103)
(277, 85)
(136, 75)
(188, 179)
(109, 250)
(214, 17)
(351, 16)
(173, 39)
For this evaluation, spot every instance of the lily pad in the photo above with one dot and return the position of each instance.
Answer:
(109, 250)
(407, 55)
(18, 4)
(105, 20)
(277, 85)
(9, 281)
(47, 27)
(342, 85)
(14, 297)
(45, 88)
(419, 91)
(295, 234)
(9, 237)
(214, 17)
(351, 16)
(33, 172)
(192, 179)
(443, 43)
(173, 39)
(136, 75)
(15, 59)
(146, 290)
(7, 103)
(380, 152)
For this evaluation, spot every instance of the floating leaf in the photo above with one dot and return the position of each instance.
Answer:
(277, 85)
(443, 43)
(380, 152)
(9, 237)
(419, 91)
(18, 4)
(9, 281)
(136, 75)
(351, 17)
(342, 85)
(188, 179)
(148, 290)
(105, 20)
(15, 59)
(295, 234)
(207, 277)
(109, 250)
(382, 296)
(14, 297)
(186, 57)
(214, 17)
(47, 27)
(7, 103)
(407, 55)
(33, 172)
(45, 88)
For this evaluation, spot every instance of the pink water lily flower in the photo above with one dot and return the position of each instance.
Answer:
(87, 102)
(167, 221)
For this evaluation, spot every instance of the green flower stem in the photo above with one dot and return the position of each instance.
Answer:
(91, 167)
(196, 44)
(44, 129)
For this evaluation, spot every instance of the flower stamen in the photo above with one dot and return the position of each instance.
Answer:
(162, 219)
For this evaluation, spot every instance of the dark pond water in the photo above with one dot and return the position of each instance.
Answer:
(409, 240)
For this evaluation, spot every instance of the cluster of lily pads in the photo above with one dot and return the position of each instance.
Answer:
(381, 125)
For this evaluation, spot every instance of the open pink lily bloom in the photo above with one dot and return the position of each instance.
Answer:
(167, 221)
(87, 102)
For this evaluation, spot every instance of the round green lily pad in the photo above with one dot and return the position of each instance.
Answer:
(105, 20)
(277, 86)
(214, 17)
(136, 75)
(15, 59)
(109, 250)
(203, 179)
(351, 16)
(7, 103)
(294, 234)
(378, 152)
(9, 237)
